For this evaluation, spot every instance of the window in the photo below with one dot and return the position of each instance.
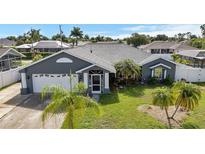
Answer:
(158, 72)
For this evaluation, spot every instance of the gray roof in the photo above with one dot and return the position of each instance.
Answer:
(104, 55)
(167, 45)
(200, 54)
(4, 51)
(110, 52)
(153, 57)
(7, 42)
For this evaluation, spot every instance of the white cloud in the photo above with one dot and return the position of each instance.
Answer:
(169, 30)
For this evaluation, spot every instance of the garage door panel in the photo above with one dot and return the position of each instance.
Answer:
(42, 80)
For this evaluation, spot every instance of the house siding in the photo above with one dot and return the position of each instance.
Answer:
(50, 66)
(146, 71)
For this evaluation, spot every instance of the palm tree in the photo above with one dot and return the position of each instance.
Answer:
(127, 68)
(34, 36)
(164, 98)
(188, 96)
(68, 102)
(77, 34)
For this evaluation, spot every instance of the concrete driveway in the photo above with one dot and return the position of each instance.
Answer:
(27, 115)
(23, 111)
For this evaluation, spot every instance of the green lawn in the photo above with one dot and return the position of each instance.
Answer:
(119, 110)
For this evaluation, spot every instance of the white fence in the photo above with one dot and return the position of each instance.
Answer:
(9, 77)
(190, 74)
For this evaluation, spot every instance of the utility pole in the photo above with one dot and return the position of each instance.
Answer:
(61, 32)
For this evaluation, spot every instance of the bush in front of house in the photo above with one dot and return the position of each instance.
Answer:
(37, 57)
(152, 81)
(168, 81)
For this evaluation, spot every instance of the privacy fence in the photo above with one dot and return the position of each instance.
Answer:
(9, 77)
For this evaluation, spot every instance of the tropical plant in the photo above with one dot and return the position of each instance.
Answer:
(163, 98)
(202, 27)
(37, 57)
(127, 68)
(70, 102)
(188, 96)
(77, 34)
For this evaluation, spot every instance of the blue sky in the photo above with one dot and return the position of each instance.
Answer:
(112, 30)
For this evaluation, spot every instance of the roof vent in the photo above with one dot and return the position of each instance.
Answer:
(91, 51)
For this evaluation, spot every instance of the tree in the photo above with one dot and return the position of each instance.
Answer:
(12, 38)
(34, 35)
(86, 37)
(58, 37)
(163, 98)
(161, 37)
(127, 68)
(76, 33)
(137, 40)
(68, 102)
(202, 27)
(188, 96)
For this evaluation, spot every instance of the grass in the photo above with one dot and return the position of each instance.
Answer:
(119, 110)
(26, 62)
(197, 117)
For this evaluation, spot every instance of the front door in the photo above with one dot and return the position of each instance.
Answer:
(96, 83)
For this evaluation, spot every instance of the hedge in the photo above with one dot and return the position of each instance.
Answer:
(29, 55)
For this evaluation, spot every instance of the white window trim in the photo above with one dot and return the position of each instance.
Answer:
(81, 70)
(107, 80)
(160, 64)
(85, 79)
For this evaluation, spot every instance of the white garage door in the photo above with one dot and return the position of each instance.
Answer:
(42, 80)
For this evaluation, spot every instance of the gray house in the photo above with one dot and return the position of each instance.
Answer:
(92, 64)
(9, 58)
(44, 46)
(165, 47)
(159, 66)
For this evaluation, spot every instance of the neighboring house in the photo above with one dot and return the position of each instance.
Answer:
(165, 47)
(196, 57)
(92, 64)
(9, 59)
(44, 46)
(4, 42)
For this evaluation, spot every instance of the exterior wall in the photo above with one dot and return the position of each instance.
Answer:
(146, 71)
(189, 73)
(50, 66)
(103, 88)
(9, 77)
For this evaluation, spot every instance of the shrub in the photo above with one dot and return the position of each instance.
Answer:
(152, 80)
(29, 55)
(190, 125)
(37, 57)
(168, 81)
